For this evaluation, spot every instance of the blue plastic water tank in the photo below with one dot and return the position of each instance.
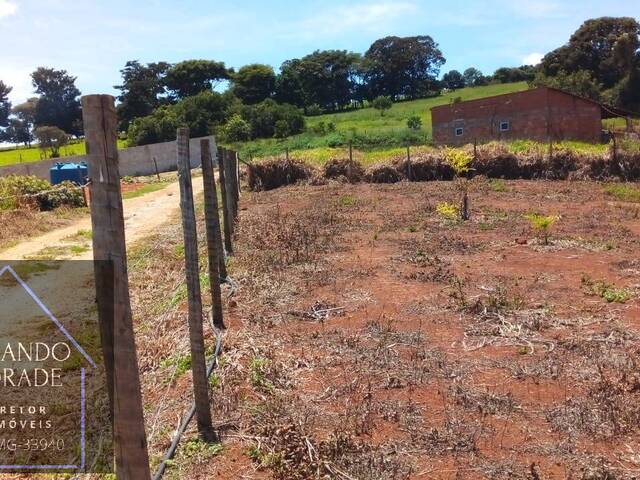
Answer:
(71, 172)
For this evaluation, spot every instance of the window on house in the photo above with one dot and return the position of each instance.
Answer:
(459, 131)
(505, 126)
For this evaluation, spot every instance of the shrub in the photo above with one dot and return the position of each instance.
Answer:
(64, 194)
(14, 188)
(414, 122)
(382, 103)
(314, 110)
(281, 129)
(19, 190)
(236, 130)
(264, 116)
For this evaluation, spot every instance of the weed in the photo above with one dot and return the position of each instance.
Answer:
(347, 201)
(258, 374)
(498, 185)
(449, 211)
(623, 191)
(199, 450)
(605, 290)
(542, 223)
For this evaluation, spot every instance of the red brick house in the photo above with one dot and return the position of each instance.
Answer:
(538, 114)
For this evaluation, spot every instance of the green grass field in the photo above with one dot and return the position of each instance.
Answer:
(367, 129)
(9, 156)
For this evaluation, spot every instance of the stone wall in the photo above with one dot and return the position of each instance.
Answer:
(134, 162)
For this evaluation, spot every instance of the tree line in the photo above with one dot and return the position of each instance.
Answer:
(601, 61)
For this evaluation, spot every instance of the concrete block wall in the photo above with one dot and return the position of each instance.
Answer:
(134, 162)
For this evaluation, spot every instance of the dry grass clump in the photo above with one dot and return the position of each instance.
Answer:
(425, 167)
(351, 170)
(383, 174)
(275, 238)
(610, 407)
(277, 172)
(283, 428)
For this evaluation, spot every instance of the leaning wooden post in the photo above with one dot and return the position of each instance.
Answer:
(196, 337)
(112, 288)
(214, 236)
(409, 169)
(226, 212)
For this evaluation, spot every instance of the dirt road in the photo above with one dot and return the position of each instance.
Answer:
(141, 215)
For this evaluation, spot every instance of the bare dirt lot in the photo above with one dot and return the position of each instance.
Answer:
(370, 338)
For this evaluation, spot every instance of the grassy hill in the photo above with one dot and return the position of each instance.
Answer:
(9, 156)
(367, 129)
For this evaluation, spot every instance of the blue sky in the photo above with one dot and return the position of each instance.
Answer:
(93, 39)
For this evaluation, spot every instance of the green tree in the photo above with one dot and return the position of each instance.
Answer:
(236, 130)
(607, 47)
(5, 104)
(191, 77)
(453, 80)
(58, 104)
(402, 66)
(474, 77)
(264, 116)
(328, 78)
(254, 83)
(382, 104)
(579, 83)
(18, 131)
(51, 139)
(525, 73)
(202, 113)
(141, 91)
(22, 123)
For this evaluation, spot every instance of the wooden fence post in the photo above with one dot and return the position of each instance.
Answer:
(226, 212)
(231, 188)
(196, 337)
(214, 236)
(112, 288)
(409, 169)
(155, 164)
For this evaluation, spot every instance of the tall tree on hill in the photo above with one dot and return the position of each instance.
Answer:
(141, 90)
(453, 80)
(403, 66)
(58, 104)
(327, 78)
(191, 77)
(254, 83)
(606, 47)
(22, 122)
(525, 73)
(5, 104)
(474, 77)
(289, 87)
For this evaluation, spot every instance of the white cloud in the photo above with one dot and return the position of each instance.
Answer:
(371, 16)
(7, 8)
(532, 59)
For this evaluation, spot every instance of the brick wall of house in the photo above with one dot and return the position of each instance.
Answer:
(532, 114)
